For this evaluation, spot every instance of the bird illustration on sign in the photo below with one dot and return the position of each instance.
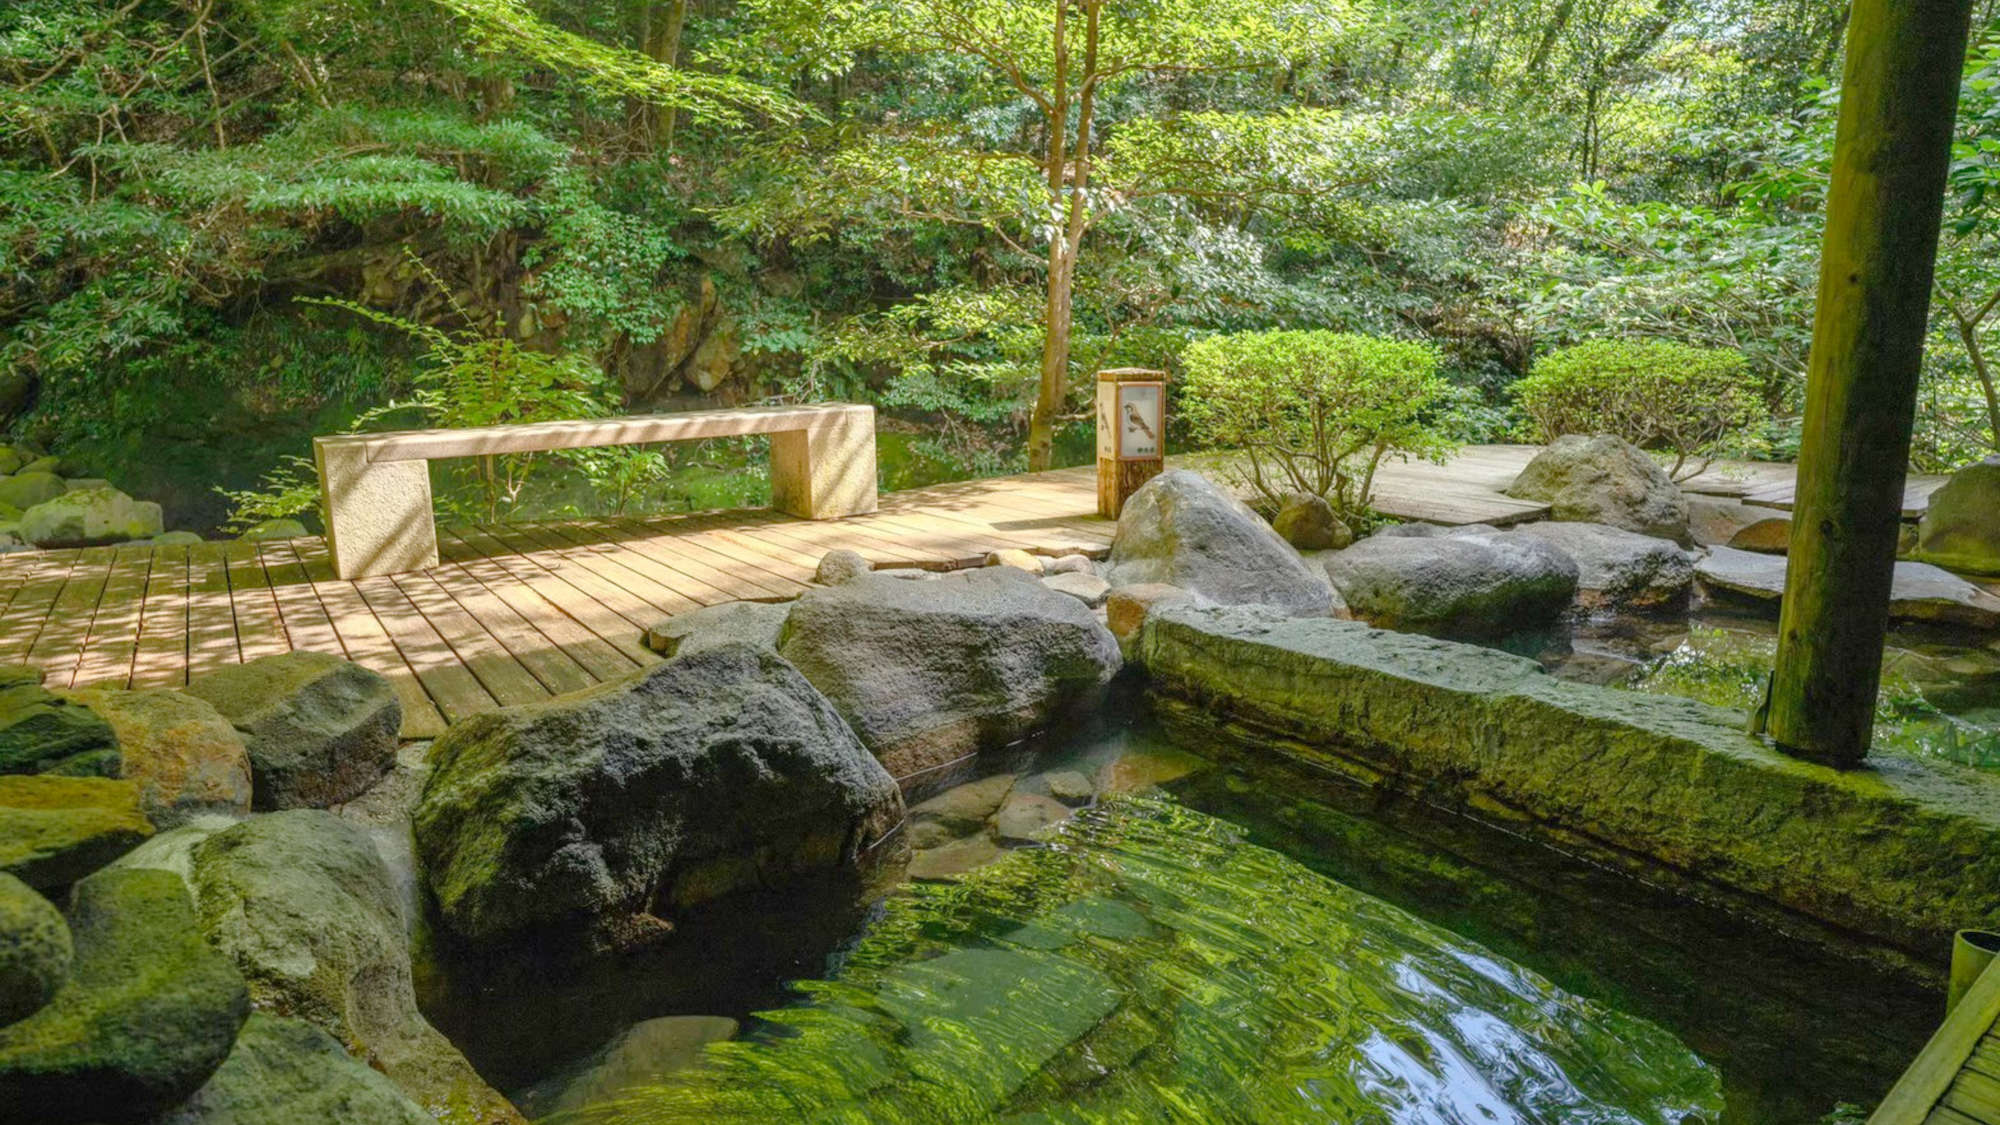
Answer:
(1134, 421)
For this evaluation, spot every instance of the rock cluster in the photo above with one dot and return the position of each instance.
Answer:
(49, 501)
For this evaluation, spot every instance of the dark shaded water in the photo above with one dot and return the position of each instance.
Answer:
(1254, 947)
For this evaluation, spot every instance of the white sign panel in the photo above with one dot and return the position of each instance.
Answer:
(1139, 420)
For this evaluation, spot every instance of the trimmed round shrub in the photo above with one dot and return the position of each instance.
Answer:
(1315, 412)
(1687, 402)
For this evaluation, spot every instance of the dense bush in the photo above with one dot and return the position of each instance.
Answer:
(1687, 402)
(1315, 411)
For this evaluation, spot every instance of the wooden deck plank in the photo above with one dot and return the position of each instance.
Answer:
(28, 612)
(595, 635)
(772, 565)
(501, 639)
(160, 659)
(682, 553)
(113, 644)
(59, 646)
(667, 592)
(670, 568)
(211, 617)
(366, 641)
(260, 631)
(450, 684)
(602, 581)
(305, 618)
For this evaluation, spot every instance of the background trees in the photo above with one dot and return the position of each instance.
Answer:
(953, 208)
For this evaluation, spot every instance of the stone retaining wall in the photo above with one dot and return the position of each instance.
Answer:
(1901, 853)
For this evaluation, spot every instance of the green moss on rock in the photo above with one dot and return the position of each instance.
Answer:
(42, 732)
(286, 1070)
(149, 1013)
(34, 950)
(55, 830)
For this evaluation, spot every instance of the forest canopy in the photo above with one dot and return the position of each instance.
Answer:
(258, 218)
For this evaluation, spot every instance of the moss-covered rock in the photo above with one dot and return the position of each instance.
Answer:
(1605, 479)
(1183, 529)
(147, 1016)
(1960, 529)
(90, 516)
(41, 732)
(186, 758)
(55, 830)
(305, 906)
(286, 1071)
(274, 529)
(34, 950)
(320, 730)
(1905, 851)
(24, 490)
(586, 814)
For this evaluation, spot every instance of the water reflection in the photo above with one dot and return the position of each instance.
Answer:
(1151, 965)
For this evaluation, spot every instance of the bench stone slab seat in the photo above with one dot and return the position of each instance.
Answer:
(1903, 852)
(376, 488)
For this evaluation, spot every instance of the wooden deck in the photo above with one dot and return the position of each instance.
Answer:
(1956, 1080)
(518, 613)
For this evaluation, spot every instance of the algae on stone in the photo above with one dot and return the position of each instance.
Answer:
(55, 830)
(148, 1014)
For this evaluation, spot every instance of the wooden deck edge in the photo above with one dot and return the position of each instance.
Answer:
(1913, 1097)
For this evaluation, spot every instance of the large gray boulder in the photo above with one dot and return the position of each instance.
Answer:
(89, 516)
(1605, 479)
(928, 672)
(1960, 530)
(304, 905)
(1181, 529)
(1618, 569)
(148, 1013)
(319, 729)
(285, 1070)
(753, 623)
(1468, 581)
(1919, 591)
(716, 770)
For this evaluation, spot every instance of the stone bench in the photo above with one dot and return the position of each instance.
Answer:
(375, 489)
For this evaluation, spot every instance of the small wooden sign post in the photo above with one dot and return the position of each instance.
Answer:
(1131, 434)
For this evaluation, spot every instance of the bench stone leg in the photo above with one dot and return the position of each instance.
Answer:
(378, 513)
(826, 470)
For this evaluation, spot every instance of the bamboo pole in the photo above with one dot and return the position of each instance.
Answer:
(1898, 99)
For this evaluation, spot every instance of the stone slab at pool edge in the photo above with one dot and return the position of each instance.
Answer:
(1903, 852)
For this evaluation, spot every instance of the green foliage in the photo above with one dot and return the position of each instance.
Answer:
(1315, 411)
(1686, 401)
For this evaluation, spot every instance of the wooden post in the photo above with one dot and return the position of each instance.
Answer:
(1898, 99)
(1131, 434)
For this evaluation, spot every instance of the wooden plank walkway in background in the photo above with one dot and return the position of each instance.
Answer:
(515, 614)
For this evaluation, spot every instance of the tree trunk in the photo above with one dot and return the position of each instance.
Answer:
(1890, 155)
(657, 31)
(1051, 386)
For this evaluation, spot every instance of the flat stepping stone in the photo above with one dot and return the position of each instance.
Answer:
(953, 860)
(1920, 592)
(1025, 815)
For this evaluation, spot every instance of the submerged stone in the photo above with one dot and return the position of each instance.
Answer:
(951, 860)
(639, 1057)
(1025, 815)
(1906, 851)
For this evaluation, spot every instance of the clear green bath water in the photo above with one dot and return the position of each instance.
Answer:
(1151, 964)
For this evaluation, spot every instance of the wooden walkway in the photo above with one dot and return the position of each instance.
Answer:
(1956, 1080)
(518, 613)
